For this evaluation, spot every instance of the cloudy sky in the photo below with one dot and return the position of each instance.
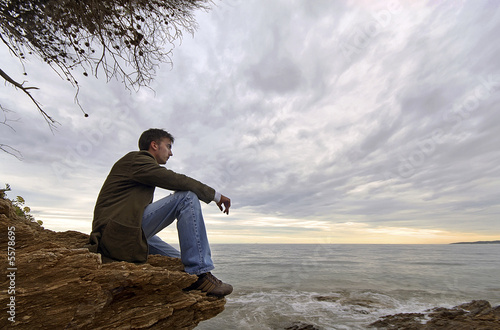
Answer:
(323, 121)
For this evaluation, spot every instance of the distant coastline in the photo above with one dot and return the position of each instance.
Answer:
(479, 242)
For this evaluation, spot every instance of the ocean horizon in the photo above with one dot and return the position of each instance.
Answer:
(348, 286)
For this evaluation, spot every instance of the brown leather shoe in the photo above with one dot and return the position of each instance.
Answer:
(211, 285)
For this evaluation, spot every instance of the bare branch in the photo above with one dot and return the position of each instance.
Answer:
(5, 119)
(20, 86)
(11, 151)
(6, 148)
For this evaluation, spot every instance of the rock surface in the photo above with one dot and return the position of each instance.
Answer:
(477, 315)
(55, 283)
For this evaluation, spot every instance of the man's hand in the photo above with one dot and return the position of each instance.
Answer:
(227, 204)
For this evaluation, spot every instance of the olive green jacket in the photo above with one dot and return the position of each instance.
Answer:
(116, 229)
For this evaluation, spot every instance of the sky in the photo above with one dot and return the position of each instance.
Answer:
(324, 122)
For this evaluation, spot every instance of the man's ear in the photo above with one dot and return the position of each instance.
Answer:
(153, 146)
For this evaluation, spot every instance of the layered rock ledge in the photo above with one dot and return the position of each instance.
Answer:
(54, 283)
(477, 314)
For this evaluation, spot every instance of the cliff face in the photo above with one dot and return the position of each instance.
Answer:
(52, 282)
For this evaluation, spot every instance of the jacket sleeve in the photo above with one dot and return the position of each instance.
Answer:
(147, 171)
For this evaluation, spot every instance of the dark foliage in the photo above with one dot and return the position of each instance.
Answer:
(124, 39)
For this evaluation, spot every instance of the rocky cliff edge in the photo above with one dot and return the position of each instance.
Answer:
(52, 282)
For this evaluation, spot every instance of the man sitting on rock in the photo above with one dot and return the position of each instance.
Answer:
(126, 221)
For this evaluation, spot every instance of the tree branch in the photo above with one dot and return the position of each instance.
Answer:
(133, 37)
(11, 151)
(6, 148)
(46, 116)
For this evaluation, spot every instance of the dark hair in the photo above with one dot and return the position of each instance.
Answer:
(153, 134)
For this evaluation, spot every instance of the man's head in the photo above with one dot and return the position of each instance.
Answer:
(158, 142)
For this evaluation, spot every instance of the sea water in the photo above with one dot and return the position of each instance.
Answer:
(348, 286)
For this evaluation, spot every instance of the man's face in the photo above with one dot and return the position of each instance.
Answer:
(162, 151)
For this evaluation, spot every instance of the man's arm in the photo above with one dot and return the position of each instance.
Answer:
(147, 171)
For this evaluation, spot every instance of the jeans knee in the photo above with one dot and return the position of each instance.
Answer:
(189, 196)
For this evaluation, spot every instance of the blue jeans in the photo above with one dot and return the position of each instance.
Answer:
(185, 207)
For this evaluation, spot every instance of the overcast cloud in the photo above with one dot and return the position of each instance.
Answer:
(333, 122)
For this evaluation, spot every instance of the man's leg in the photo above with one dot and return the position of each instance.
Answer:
(185, 207)
(158, 246)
